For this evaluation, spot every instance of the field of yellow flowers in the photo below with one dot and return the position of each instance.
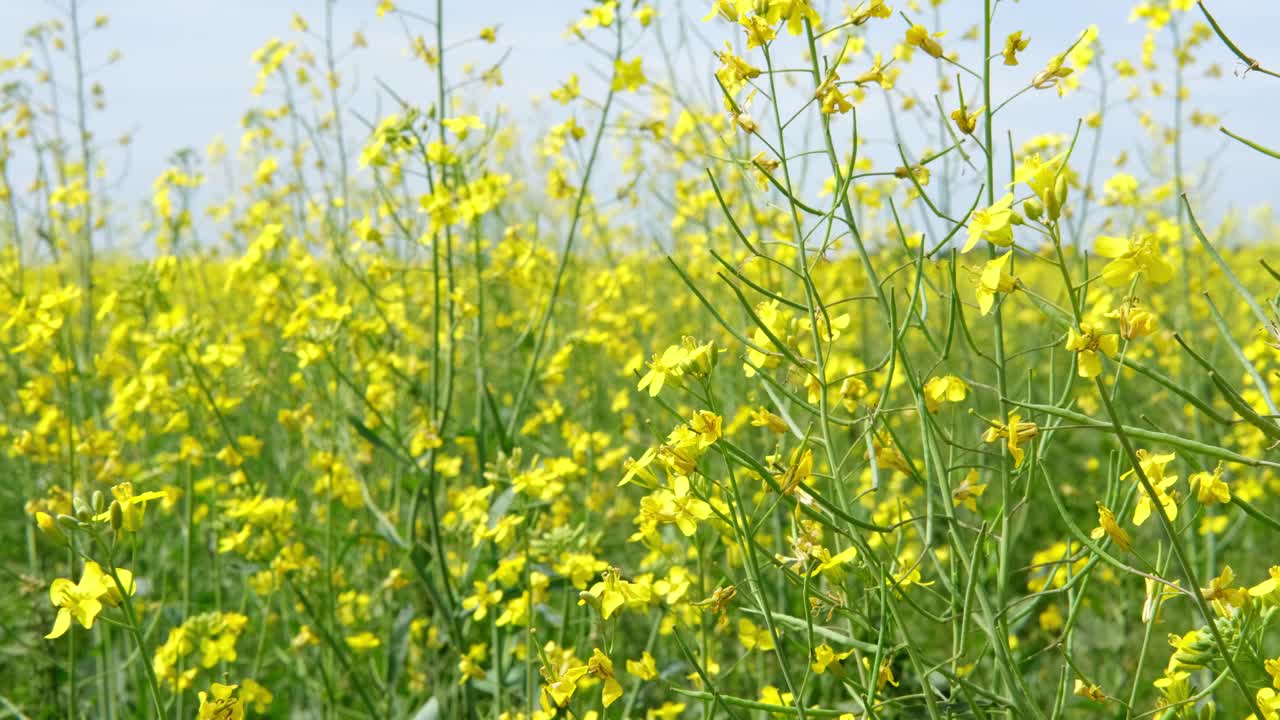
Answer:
(698, 395)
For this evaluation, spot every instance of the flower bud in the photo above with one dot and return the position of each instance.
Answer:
(1033, 208)
(117, 516)
(98, 501)
(49, 526)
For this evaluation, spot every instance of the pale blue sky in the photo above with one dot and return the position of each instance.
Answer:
(186, 75)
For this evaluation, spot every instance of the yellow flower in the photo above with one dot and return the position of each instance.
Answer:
(628, 74)
(753, 637)
(884, 674)
(1088, 343)
(1210, 488)
(612, 592)
(1168, 500)
(645, 668)
(83, 601)
(1108, 527)
(947, 388)
(220, 703)
(918, 36)
(824, 657)
(601, 667)
(1089, 691)
(867, 10)
(1047, 179)
(993, 224)
(1013, 45)
(1221, 595)
(1013, 433)
(967, 121)
(1132, 320)
(968, 491)
(363, 642)
(992, 280)
(1140, 253)
(1052, 75)
(669, 365)
(1266, 590)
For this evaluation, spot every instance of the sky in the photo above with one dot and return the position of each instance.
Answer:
(185, 75)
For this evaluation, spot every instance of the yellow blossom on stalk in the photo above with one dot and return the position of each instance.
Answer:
(1268, 590)
(869, 9)
(993, 224)
(462, 126)
(1209, 487)
(795, 12)
(481, 599)
(947, 388)
(707, 427)
(1089, 691)
(601, 667)
(878, 75)
(628, 74)
(1165, 495)
(918, 36)
(1222, 596)
(833, 565)
(1013, 433)
(1132, 320)
(1133, 255)
(968, 491)
(612, 592)
(1047, 180)
(669, 365)
(824, 658)
(1272, 666)
(884, 674)
(992, 280)
(83, 601)
(966, 122)
(1014, 44)
(754, 637)
(760, 417)
(220, 703)
(363, 642)
(734, 72)
(561, 683)
(759, 31)
(1108, 527)
(1088, 342)
(830, 99)
(645, 668)
(132, 506)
